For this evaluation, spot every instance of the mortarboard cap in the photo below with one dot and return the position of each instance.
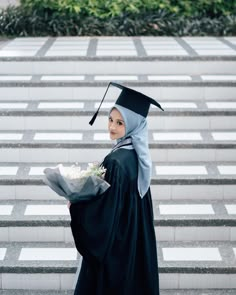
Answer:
(128, 98)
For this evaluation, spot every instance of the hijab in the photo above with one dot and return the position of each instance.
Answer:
(136, 129)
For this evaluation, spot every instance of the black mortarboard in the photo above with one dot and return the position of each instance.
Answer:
(128, 98)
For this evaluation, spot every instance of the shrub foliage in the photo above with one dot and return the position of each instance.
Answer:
(119, 17)
(110, 8)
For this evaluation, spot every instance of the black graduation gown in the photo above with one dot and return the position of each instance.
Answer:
(115, 234)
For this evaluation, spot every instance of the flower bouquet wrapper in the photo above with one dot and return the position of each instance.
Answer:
(74, 190)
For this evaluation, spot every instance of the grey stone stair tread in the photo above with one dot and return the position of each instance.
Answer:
(120, 58)
(33, 110)
(94, 84)
(212, 177)
(11, 264)
(188, 52)
(179, 112)
(162, 292)
(198, 292)
(35, 292)
(103, 145)
(89, 142)
(142, 79)
(89, 104)
(220, 218)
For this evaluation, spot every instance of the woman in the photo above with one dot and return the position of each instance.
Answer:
(114, 232)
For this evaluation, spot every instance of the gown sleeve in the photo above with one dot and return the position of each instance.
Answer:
(94, 222)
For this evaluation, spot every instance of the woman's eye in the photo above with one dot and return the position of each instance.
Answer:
(110, 119)
(119, 123)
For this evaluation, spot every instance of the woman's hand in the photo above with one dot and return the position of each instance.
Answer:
(68, 204)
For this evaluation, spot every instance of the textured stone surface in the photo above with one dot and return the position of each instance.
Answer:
(162, 292)
(19, 218)
(212, 177)
(11, 264)
(44, 84)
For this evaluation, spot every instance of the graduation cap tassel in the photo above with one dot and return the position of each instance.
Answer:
(93, 118)
(95, 115)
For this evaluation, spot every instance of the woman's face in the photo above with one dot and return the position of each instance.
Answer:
(116, 125)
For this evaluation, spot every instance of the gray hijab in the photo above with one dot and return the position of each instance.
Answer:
(136, 128)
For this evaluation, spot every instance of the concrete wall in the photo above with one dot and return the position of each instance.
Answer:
(5, 3)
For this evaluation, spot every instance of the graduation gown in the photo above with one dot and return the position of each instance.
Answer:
(114, 233)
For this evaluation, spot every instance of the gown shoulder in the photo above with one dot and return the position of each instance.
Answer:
(124, 160)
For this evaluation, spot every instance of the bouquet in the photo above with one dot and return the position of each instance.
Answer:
(75, 184)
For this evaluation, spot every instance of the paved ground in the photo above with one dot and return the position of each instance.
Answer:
(118, 46)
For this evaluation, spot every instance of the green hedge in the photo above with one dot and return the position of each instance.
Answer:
(110, 8)
(16, 21)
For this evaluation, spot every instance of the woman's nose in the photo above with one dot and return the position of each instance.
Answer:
(112, 126)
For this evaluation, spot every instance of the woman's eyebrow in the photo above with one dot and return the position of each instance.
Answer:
(116, 119)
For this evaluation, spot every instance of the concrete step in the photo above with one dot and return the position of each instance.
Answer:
(118, 54)
(162, 292)
(176, 90)
(66, 122)
(204, 180)
(195, 292)
(71, 114)
(72, 107)
(84, 79)
(184, 265)
(31, 190)
(118, 65)
(176, 172)
(40, 292)
(79, 145)
(185, 220)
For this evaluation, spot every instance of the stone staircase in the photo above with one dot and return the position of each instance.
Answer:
(50, 88)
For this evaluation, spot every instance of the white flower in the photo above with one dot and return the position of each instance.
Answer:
(75, 172)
